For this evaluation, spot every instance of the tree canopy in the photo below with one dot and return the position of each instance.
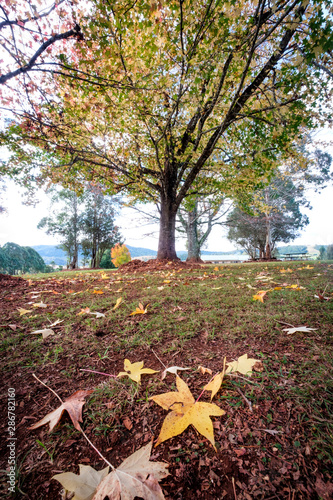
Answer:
(180, 97)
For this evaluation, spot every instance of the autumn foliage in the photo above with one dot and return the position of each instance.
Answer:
(120, 255)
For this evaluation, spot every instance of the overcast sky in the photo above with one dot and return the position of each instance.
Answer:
(19, 225)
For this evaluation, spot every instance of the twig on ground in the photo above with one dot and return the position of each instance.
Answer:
(49, 388)
(158, 358)
(245, 399)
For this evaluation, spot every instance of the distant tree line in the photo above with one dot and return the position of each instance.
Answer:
(15, 259)
(85, 222)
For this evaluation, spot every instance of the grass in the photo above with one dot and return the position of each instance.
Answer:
(198, 318)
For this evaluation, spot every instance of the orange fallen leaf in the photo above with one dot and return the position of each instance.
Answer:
(86, 310)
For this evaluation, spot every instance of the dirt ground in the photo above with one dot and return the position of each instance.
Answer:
(263, 449)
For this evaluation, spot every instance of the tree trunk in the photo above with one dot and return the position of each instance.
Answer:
(268, 244)
(193, 250)
(167, 238)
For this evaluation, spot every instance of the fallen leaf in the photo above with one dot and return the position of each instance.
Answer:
(242, 365)
(260, 295)
(85, 484)
(135, 477)
(215, 384)
(23, 311)
(204, 370)
(172, 369)
(39, 304)
(73, 405)
(303, 329)
(321, 297)
(99, 292)
(46, 332)
(13, 327)
(140, 310)
(98, 314)
(135, 370)
(185, 411)
(118, 302)
(86, 310)
(128, 423)
(56, 322)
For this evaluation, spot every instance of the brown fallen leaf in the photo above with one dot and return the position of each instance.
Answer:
(73, 405)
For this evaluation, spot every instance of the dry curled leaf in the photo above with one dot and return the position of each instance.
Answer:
(172, 369)
(135, 370)
(135, 477)
(73, 405)
(203, 370)
(117, 304)
(215, 384)
(185, 411)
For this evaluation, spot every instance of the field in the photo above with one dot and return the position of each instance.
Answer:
(274, 440)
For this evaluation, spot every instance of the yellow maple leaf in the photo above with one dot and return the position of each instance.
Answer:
(260, 295)
(186, 411)
(119, 301)
(215, 384)
(23, 311)
(242, 365)
(135, 370)
(140, 310)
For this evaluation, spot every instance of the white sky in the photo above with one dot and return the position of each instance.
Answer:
(19, 225)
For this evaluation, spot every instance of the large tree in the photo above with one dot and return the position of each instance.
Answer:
(174, 84)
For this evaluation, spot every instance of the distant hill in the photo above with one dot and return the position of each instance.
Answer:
(50, 253)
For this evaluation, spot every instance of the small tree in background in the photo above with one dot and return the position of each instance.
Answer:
(106, 262)
(329, 252)
(120, 255)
